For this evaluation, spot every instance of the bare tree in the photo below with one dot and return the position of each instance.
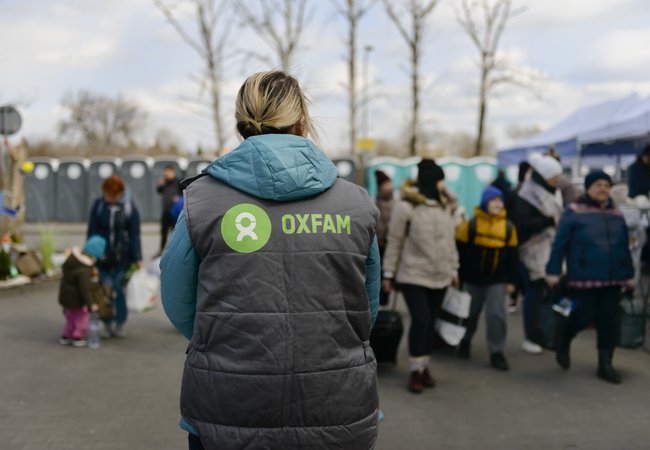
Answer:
(100, 122)
(213, 30)
(411, 24)
(353, 11)
(280, 24)
(484, 22)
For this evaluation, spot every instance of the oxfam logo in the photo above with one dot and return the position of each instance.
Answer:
(246, 228)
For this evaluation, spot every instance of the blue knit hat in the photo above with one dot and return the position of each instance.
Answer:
(595, 176)
(489, 193)
(95, 246)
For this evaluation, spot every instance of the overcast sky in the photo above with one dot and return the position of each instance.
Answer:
(588, 51)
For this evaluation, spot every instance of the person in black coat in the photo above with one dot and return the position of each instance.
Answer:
(169, 187)
(592, 237)
(638, 174)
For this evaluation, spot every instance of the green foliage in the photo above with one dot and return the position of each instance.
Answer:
(47, 247)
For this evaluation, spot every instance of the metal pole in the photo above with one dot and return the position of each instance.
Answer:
(366, 98)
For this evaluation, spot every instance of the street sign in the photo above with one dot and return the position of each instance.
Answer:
(10, 120)
(366, 144)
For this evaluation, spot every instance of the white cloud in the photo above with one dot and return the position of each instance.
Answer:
(624, 50)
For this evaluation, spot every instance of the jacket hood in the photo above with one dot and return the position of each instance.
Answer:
(410, 193)
(279, 167)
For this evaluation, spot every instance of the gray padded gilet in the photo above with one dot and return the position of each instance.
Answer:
(280, 355)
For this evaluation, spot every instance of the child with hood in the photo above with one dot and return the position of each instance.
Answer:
(489, 269)
(74, 290)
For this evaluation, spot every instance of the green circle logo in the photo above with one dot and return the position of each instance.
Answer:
(246, 228)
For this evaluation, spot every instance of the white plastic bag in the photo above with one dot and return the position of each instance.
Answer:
(142, 291)
(455, 309)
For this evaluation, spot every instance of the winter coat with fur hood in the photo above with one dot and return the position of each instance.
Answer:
(421, 248)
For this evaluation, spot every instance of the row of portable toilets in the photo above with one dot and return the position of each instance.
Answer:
(466, 178)
(63, 190)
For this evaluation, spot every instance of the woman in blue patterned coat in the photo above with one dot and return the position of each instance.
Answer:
(592, 236)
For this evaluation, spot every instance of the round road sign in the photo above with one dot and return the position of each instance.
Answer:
(10, 120)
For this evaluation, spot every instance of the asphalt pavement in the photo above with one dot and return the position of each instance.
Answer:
(125, 395)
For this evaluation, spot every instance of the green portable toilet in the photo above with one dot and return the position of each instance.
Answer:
(480, 172)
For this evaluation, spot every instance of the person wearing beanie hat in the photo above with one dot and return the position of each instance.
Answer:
(547, 166)
(537, 210)
(593, 238)
(421, 256)
(489, 269)
(381, 177)
(638, 174)
(74, 291)
(490, 193)
(95, 246)
(385, 202)
(430, 175)
(596, 175)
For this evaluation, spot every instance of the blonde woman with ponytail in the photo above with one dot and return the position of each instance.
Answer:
(272, 273)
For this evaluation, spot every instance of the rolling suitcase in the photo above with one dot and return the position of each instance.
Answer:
(387, 333)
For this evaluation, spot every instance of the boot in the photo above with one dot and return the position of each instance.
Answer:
(463, 350)
(499, 362)
(427, 380)
(605, 369)
(415, 382)
(562, 354)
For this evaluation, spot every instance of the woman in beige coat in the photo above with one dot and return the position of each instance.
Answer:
(421, 258)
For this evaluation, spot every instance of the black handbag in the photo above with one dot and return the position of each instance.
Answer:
(546, 324)
(632, 323)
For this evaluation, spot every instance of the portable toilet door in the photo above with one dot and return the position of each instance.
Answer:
(347, 169)
(40, 190)
(136, 173)
(100, 169)
(157, 174)
(195, 166)
(71, 190)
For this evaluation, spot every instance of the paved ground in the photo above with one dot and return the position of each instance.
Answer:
(125, 394)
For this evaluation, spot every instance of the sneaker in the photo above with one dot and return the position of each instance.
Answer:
(498, 361)
(427, 380)
(107, 332)
(531, 347)
(65, 340)
(415, 383)
(119, 331)
(79, 343)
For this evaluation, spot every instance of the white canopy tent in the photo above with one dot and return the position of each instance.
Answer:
(604, 131)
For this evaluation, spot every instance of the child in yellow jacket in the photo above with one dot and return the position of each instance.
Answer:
(487, 247)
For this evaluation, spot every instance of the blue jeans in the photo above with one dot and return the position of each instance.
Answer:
(115, 278)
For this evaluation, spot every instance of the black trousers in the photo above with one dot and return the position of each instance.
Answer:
(600, 305)
(194, 442)
(423, 304)
(167, 223)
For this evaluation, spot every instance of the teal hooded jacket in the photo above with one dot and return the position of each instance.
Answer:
(280, 167)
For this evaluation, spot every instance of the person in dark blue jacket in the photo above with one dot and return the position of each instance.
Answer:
(592, 236)
(115, 217)
(638, 174)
